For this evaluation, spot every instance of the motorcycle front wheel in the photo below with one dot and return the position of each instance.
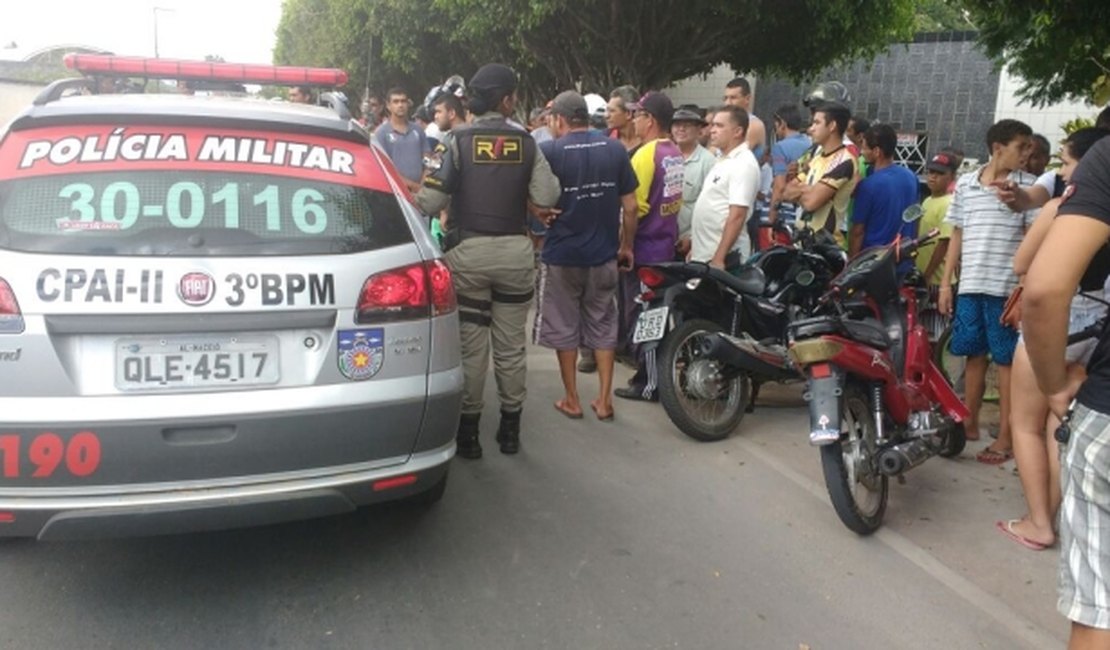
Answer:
(699, 402)
(857, 490)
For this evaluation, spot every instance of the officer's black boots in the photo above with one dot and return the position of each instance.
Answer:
(508, 432)
(467, 438)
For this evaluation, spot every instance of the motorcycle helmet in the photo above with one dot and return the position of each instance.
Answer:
(455, 85)
(827, 92)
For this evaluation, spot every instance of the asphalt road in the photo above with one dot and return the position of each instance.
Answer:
(598, 535)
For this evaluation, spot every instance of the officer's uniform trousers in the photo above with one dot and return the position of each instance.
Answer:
(494, 281)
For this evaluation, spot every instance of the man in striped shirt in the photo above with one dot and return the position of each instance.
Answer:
(985, 235)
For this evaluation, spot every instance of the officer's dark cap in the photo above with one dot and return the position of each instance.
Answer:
(494, 76)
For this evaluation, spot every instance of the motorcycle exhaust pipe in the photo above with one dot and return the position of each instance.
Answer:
(743, 355)
(901, 458)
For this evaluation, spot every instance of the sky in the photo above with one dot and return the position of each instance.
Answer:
(240, 31)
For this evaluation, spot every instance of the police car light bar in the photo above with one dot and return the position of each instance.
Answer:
(137, 66)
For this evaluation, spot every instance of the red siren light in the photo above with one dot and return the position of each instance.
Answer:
(137, 66)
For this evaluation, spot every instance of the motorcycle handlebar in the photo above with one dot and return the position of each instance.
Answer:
(910, 245)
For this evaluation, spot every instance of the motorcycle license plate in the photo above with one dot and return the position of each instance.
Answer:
(651, 325)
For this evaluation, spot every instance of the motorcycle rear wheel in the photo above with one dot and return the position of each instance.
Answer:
(857, 490)
(954, 441)
(700, 405)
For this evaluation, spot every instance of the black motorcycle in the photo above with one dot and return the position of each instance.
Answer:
(686, 302)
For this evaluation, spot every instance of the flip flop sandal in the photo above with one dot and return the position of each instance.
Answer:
(990, 456)
(561, 407)
(603, 418)
(1007, 529)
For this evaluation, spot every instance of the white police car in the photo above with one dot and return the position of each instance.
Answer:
(214, 312)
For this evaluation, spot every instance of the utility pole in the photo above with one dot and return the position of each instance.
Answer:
(155, 10)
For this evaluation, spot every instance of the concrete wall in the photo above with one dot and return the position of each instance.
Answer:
(15, 96)
(940, 85)
(705, 92)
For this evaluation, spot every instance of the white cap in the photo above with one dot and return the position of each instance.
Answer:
(595, 104)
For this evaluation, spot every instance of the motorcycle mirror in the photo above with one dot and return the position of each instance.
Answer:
(805, 278)
(912, 213)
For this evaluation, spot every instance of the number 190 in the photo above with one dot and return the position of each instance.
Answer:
(47, 451)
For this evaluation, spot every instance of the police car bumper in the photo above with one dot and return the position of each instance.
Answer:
(170, 509)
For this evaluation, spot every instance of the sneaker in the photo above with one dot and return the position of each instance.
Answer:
(822, 437)
(634, 393)
(587, 364)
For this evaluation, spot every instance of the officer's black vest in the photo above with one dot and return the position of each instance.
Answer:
(495, 167)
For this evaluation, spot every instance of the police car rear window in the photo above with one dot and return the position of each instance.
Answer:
(144, 192)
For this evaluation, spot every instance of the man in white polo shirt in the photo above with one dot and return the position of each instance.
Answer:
(728, 194)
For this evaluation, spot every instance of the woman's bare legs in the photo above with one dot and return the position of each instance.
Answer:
(1028, 410)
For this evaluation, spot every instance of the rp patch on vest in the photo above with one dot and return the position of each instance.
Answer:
(498, 149)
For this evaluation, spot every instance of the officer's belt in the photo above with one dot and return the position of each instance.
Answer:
(465, 234)
(456, 236)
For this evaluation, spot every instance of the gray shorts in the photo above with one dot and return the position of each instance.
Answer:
(576, 306)
(1084, 583)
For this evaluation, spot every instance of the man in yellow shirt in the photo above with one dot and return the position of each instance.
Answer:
(825, 181)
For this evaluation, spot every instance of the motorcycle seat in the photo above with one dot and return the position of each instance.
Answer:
(868, 331)
(748, 280)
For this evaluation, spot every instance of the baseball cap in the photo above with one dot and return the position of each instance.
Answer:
(688, 115)
(657, 105)
(571, 105)
(942, 162)
(494, 76)
(596, 104)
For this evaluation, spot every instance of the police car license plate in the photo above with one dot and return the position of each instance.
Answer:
(651, 325)
(174, 363)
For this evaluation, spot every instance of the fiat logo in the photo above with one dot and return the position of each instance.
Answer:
(196, 288)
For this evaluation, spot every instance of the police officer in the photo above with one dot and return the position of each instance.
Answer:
(491, 170)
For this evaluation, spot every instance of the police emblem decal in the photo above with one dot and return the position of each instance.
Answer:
(498, 149)
(361, 353)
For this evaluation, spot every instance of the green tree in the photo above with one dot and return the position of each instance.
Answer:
(940, 16)
(592, 44)
(1060, 48)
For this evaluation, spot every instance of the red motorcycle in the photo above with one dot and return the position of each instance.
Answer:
(878, 404)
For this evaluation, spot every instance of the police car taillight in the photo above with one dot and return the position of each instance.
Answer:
(415, 291)
(11, 318)
(137, 66)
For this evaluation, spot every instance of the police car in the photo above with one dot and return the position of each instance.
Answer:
(214, 311)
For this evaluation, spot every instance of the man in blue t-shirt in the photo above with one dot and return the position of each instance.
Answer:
(883, 195)
(789, 146)
(403, 140)
(588, 244)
